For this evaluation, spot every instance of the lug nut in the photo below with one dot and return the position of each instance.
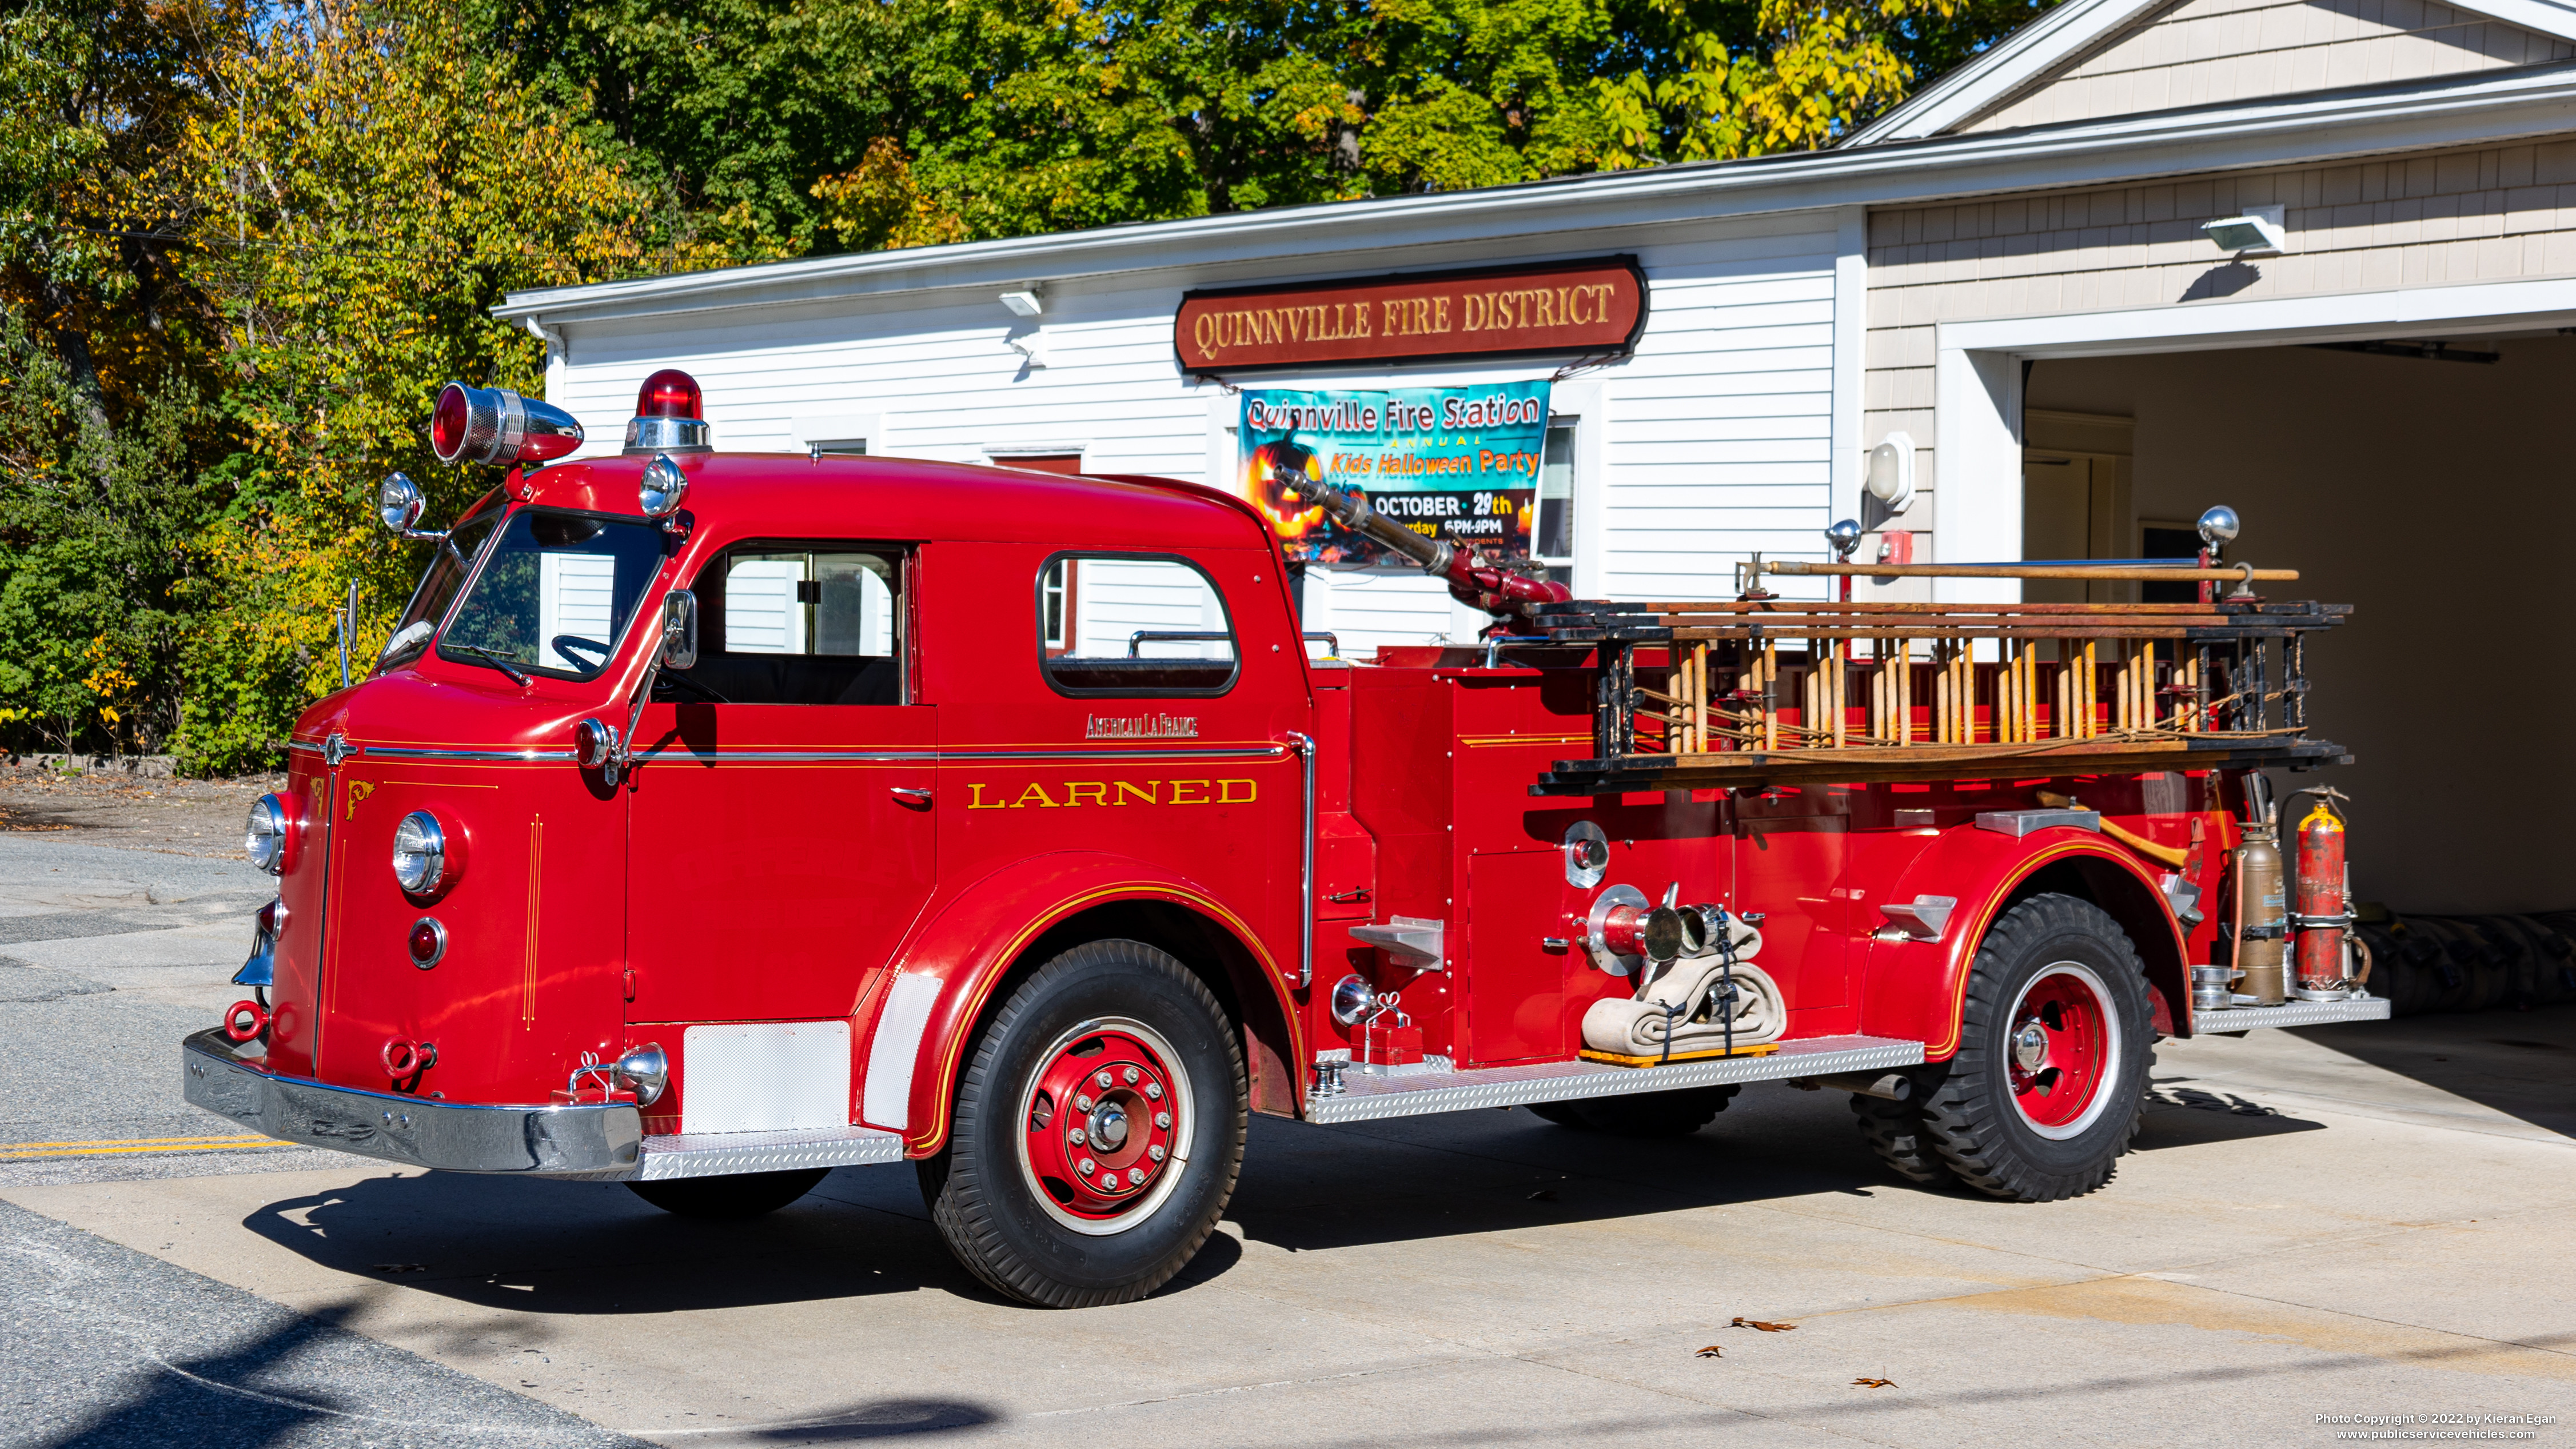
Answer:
(1075, 1137)
(1155, 1152)
(1163, 1120)
(1154, 1090)
(1104, 1079)
(1135, 1177)
(1081, 1102)
(1131, 1075)
(1084, 1167)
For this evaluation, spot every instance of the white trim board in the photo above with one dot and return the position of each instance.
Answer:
(1977, 380)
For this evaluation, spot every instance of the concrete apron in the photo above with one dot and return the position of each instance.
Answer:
(2302, 1233)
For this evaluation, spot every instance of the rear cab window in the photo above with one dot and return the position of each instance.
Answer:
(1138, 626)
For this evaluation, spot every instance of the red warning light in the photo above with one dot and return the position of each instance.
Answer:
(669, 393)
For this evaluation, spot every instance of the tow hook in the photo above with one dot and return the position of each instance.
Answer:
(245, 1021)
(406, 1060)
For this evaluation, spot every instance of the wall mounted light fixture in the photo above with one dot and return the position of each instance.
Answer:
(2261, 231)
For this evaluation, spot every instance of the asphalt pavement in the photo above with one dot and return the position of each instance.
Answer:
(2356, 1221)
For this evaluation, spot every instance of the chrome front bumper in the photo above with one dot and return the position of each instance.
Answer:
(551, 1141)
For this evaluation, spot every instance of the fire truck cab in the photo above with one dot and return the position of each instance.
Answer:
(713, 820)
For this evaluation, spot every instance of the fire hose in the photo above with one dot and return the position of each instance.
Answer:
(1694, 1004)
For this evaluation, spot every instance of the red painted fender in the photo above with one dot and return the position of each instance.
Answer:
(927, 1011)
(1916, 990)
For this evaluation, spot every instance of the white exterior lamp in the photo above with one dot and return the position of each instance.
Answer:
(1032, 346)
(2261, 231)
(1888, 478)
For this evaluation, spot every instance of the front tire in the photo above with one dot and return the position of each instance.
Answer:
(1063, 1190)
(2049, 1083)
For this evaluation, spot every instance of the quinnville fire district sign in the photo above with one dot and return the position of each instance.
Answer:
(1453, 463)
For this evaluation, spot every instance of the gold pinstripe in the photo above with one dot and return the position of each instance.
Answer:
(956, 1046)
(1985, 916)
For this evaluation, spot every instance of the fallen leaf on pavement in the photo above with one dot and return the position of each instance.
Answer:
(1712, 1351)
(1765, 1327)
(1874, 1383)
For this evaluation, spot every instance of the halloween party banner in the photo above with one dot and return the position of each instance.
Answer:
(1454, 463)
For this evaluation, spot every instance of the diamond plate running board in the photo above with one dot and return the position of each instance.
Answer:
(720, 1154)
(2289, 1013)
(1371, 1099)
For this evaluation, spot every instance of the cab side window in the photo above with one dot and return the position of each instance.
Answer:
(797, 624)
(1133, 625)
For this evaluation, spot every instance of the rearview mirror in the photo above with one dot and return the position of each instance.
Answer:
(680, 629)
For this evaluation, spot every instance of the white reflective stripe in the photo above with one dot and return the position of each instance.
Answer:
(887, 1100)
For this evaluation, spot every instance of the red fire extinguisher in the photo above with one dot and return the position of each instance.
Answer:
(2323, 909)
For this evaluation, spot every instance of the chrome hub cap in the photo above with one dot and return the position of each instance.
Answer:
(2030, 1047)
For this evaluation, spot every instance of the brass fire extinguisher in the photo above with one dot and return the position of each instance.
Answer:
(2324, 902)
(2262, 922)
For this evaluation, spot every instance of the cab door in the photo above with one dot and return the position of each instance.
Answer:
(782, 836)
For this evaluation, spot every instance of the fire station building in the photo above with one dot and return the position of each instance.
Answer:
(2313, 259)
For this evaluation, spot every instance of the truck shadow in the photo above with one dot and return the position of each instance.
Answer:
(2520, 1063)
(595, 1248)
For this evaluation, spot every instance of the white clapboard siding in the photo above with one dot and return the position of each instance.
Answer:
(2207, 51)
(1115, 599)
(1712, 441)
(576, 594)
(761, 615)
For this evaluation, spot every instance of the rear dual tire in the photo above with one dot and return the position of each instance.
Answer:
(2048, 1086)
(1641, 1114)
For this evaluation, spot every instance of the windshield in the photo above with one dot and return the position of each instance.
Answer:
(447, 570)
(555, 594)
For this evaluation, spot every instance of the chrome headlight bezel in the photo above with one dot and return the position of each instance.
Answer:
(420, 854)
(264, 837)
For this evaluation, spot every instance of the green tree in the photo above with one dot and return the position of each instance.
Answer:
(403, 183)
(103, 361)
(733, 109)
(1034, 115)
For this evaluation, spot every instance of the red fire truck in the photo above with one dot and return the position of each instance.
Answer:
(711, 821)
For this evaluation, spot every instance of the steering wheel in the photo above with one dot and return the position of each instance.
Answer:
(568, 645)
(691, 685)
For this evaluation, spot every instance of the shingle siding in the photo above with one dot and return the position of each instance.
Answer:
(2493, 214)
(2207, 51)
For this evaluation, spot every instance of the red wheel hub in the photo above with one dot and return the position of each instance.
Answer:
(2061, 1047)
(1102, 1123)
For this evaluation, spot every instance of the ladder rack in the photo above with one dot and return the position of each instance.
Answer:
(1767, 691)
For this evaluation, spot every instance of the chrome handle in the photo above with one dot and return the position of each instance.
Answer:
(911, 795)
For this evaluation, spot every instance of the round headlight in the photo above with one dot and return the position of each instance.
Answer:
(265, 839)
(399, 503)
(662, 487)
(420, 853)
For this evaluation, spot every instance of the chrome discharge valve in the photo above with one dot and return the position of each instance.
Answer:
(1623, 930)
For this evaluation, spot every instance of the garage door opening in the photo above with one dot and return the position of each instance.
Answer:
(2406, 481)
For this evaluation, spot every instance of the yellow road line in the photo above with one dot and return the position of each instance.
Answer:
(31, 1151)
(127, 1142)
